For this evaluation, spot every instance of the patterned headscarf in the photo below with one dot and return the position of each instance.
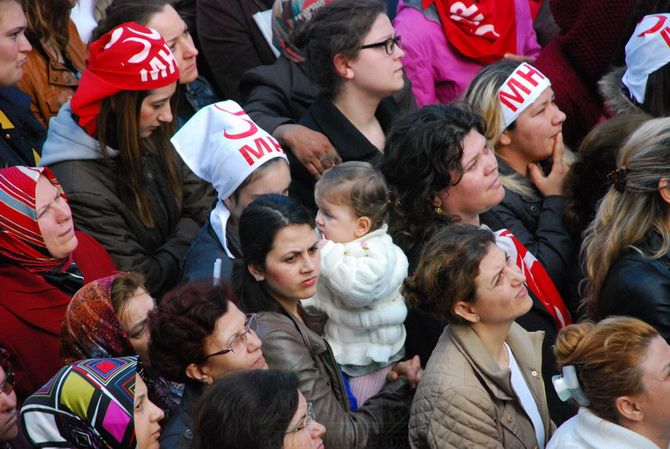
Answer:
(21, 241)
(91, 329)
(287, 15)
(86, 405)
(129, 57)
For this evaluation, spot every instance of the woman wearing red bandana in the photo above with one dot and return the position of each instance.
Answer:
(43, 262)
(110, 148)
(447, 42)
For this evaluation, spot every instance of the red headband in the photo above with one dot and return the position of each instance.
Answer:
(130, 57)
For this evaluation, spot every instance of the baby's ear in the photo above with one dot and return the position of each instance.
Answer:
(363, 225)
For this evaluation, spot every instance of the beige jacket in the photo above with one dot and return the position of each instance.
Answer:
(465, 400)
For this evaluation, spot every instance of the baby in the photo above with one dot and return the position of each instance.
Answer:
(361, 274)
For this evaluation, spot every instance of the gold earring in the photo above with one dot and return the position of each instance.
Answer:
(439, 211)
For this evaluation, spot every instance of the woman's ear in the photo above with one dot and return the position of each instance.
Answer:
(466, 310)
(256, 272)
(629, 409)
(505, 139)
(342, 67)
(664, 189)
(198, 373)
(363, 225)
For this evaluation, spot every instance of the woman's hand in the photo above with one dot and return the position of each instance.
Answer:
(311, 148)
(551, 184)
(411, 369)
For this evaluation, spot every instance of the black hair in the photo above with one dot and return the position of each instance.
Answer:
(249, 409)
(122, 11)
(337, 28)
(259, 224)
(422, 156)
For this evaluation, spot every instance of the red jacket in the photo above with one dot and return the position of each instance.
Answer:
(31, 312)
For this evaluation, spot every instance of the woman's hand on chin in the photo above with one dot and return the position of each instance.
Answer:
(411, 369)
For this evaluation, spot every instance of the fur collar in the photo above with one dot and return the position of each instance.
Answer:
(615, 101)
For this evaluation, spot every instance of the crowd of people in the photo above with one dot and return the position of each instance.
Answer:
(339, 224)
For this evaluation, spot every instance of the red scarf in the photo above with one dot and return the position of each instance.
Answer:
(21, 240)
(537, 279)
(482, 30)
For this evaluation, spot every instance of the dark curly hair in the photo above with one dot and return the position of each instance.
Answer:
(5, 360)
(423, 156)
(186, 316)
(447, 270)
(337, 28)
(256, 408)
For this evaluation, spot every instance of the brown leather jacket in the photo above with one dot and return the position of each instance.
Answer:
(50, 83)
(289, 344)
(465, 400)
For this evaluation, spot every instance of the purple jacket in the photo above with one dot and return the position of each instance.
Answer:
(440, 74)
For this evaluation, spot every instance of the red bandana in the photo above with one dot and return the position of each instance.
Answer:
(537, 278)
(130, 57)
(482, 30)
(21, 240)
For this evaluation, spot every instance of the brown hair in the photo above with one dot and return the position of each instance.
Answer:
(118, 127)
(607, 357)
(123, 287)
(359, 185)
(447, 270)
(48, 21)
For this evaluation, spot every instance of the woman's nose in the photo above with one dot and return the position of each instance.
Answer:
(318, 430)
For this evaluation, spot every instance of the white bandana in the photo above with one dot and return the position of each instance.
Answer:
(647, 50)
(222, 145)
(519, 91)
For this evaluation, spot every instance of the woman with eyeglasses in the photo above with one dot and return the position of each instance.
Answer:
(198, 335)
(259, 410)
(9, 428)
(353, 54)
(280, 268)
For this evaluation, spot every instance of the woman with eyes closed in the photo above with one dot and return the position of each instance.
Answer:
(110, 144)
(198, 335)
(109, 318)
(280, 268)
(483, 383)
(194, 91)
(43, 262)
(524, 128)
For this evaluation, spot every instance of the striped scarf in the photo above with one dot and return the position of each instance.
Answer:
(21, 241)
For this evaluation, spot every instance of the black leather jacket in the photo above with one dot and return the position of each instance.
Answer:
(639, 286)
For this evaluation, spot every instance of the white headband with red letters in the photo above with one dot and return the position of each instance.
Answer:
(222, 145)
(519, 91)
(647, 50)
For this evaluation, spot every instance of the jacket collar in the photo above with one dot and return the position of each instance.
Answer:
(615, 100)
(350, 143)
(526, 346)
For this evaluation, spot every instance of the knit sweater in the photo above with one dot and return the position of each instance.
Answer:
(359, 290)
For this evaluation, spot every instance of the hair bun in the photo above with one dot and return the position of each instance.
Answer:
(567, 341)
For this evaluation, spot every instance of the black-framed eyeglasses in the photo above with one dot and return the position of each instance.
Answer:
(7, 385)
(237, 343)
(388, 44)
(307, 423)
